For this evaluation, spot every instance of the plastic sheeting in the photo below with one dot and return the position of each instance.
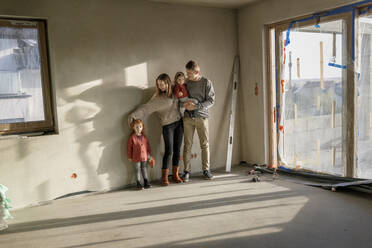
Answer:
(364, 113)
(310, 110)
(21, 96)
(313, 114)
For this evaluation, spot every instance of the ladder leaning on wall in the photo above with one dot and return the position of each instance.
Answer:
(232, 113)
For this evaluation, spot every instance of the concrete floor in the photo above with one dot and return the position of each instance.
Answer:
(230, 211)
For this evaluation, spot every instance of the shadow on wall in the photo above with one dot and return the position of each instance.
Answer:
(99, 117)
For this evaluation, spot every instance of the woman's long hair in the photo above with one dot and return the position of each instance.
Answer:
(166, 79)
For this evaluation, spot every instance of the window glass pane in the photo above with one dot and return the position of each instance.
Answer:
(21, 96)
(364, 114)
(312, 97)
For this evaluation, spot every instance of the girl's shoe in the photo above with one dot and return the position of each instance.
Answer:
(147, 184)
(139, 185)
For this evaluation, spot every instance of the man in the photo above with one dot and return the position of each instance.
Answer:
(196, 117)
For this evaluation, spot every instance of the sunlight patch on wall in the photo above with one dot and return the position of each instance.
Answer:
(80, 88)
(136, 76)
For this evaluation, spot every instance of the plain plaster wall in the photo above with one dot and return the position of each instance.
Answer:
(253, 109)
(105, 56)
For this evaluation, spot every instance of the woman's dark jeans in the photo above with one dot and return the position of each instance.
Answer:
(173, 136)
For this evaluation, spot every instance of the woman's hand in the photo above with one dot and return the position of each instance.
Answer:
(130, 160)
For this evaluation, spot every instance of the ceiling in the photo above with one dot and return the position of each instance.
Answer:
(230, 4)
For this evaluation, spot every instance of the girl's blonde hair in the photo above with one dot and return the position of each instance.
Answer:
(166, 79)
(178, 75)
(138, 121)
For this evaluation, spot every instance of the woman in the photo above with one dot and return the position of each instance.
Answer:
(166, 106)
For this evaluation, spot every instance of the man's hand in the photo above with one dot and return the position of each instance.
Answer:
(130, 160)
(189, 105)
(180, 94)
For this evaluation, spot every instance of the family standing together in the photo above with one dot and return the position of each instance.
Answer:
(182, 107)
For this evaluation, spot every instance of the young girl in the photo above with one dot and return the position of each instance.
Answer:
(180, 91)
(138, 150)
(4, 208)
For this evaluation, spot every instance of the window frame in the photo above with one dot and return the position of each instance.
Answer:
(48, 124)
(350, 92)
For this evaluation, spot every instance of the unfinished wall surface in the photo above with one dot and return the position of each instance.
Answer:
(105, 56)
(253, 109)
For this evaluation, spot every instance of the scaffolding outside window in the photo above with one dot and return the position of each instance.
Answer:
(25, 95)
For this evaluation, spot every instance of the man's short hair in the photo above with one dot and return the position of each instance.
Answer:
(192, 65)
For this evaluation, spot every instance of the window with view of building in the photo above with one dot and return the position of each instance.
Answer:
(25, 95)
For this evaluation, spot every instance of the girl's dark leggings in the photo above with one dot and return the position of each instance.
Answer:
(173, 136)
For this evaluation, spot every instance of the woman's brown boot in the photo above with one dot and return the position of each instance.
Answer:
(164, 177)
(175, 176)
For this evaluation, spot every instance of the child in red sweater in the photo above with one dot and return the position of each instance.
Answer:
(138, 150)
(180, 91)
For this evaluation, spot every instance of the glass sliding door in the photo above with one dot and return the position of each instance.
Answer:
(312, 71)
(364, 112)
